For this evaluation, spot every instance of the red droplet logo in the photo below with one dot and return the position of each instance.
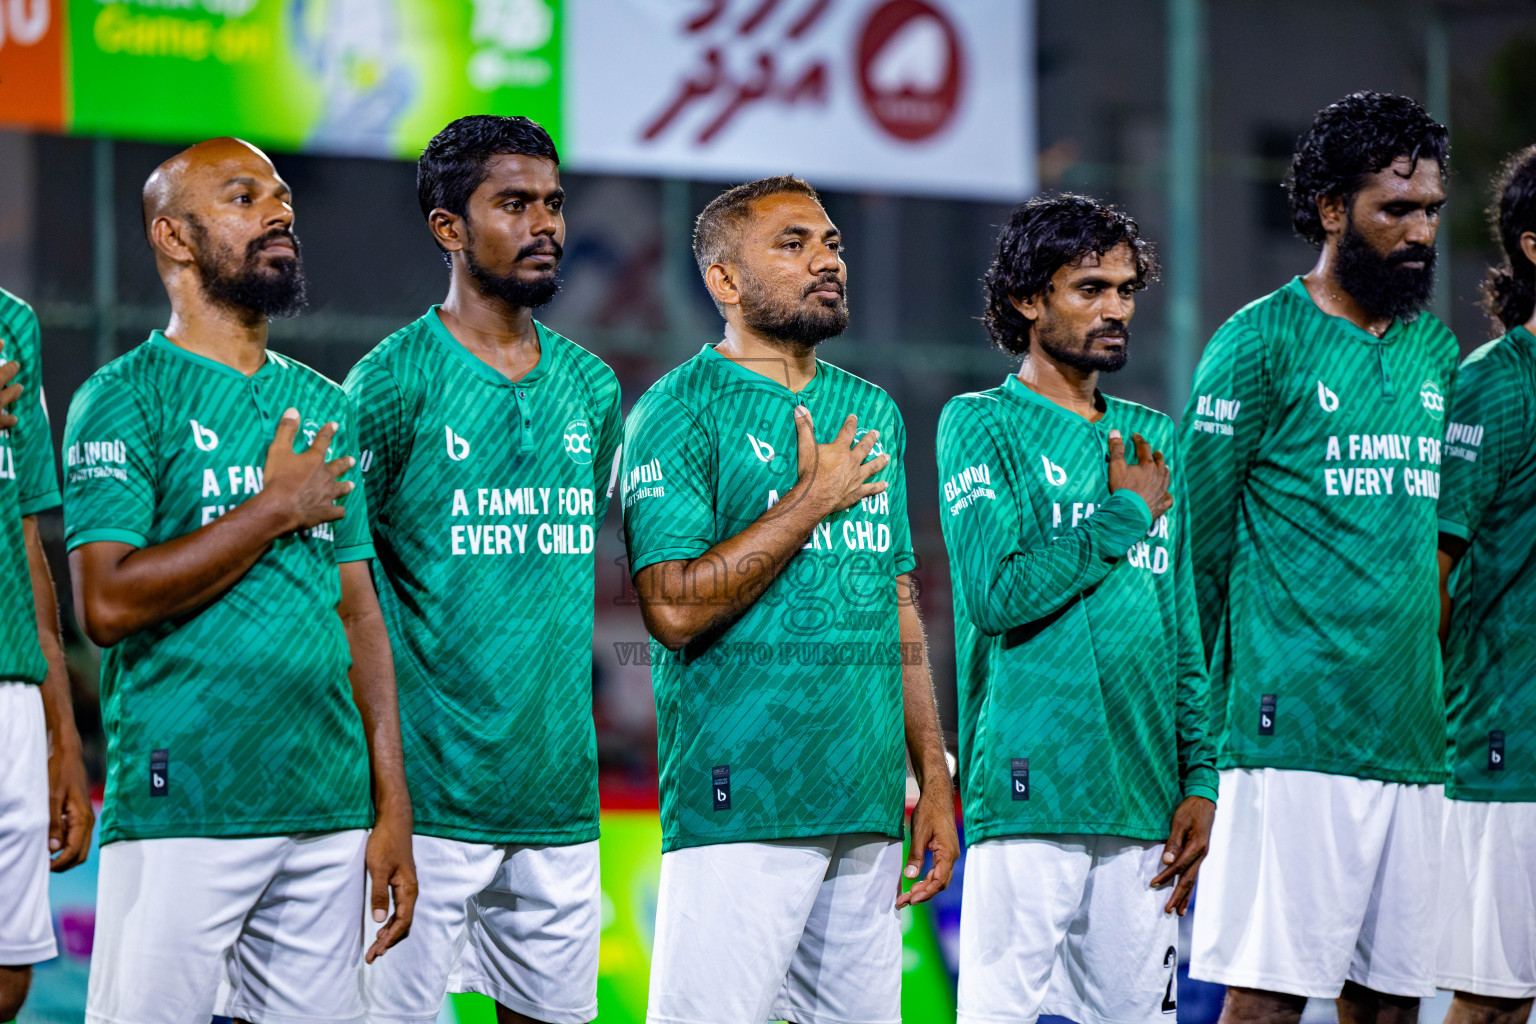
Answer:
(911, 69)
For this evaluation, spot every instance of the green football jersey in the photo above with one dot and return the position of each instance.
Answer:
(787, 723)
(1488, 497)
(235, 719)
(1082, 681)
(28, 484)
(485, 497)
(1312, 461)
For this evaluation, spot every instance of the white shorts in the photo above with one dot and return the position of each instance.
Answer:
(1066, 925)
(1316, 879)
(26, 925)
(803, 930)
(517, 923)
(263, 929)
(1487, 914)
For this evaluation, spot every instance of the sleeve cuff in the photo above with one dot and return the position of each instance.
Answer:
(1126, 518)
(354, 553)
(41, 503)
(650, 558)
(905, 563)
(107, 533)
(1456, 529)
(1202, 782)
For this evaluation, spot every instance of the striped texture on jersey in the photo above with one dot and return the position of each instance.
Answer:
(1082, 683)
(789, 722)
(485, 497)
(237, 718)
(1488, 496)
(1312, 458)
(29, 484)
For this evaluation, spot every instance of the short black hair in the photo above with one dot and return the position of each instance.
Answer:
(1352, 139)
(1509, 290)
(715, 230)
(455, 162)
(1042, 236)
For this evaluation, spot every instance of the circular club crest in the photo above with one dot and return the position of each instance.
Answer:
(578, 442)
(1434, 402)
(911, 69)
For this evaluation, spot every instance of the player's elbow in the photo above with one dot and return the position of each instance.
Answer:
(106, 622)
(105, 611)
(105, 618)
(670, 628)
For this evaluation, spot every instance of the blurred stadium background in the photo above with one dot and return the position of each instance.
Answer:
(921, 120)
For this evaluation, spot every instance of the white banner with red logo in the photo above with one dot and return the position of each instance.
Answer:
(918, 96)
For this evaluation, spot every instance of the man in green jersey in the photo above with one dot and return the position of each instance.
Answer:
(1487, 915)
(765, 509)
(247, 689)
(45, 804)
(1312, 462)
(1086, 774)
(489, 446)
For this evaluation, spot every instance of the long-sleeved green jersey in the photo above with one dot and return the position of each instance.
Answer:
(1488, 497)
(1083, 693)
(1312, 460)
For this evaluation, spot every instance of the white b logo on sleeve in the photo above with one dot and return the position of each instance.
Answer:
(1325, 398)
(1054, 474)
(458, 448)
(205, 439)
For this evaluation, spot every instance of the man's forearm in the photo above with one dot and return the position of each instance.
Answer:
(1027, 585)
(373, 689)
(682, 601)
(58, 708)
(120, 590)
(920, 707)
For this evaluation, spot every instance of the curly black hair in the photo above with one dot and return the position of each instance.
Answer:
(1509, 290)
(1042, 236)
(455, 162)
(1351, 139)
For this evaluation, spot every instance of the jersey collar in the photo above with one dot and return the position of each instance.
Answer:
(160, 341)
(1024, 393)
(750, 376)
(479, 366)
(1354, 330)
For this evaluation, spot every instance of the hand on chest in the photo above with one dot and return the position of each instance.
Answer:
(759, 463)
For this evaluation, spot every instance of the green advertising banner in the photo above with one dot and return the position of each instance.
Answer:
(366, 77)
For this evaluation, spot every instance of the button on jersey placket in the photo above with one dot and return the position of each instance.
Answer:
(253, 388)
(1387, 390)
(523, 418)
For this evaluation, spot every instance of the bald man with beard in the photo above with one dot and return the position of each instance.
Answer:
(219, 551)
